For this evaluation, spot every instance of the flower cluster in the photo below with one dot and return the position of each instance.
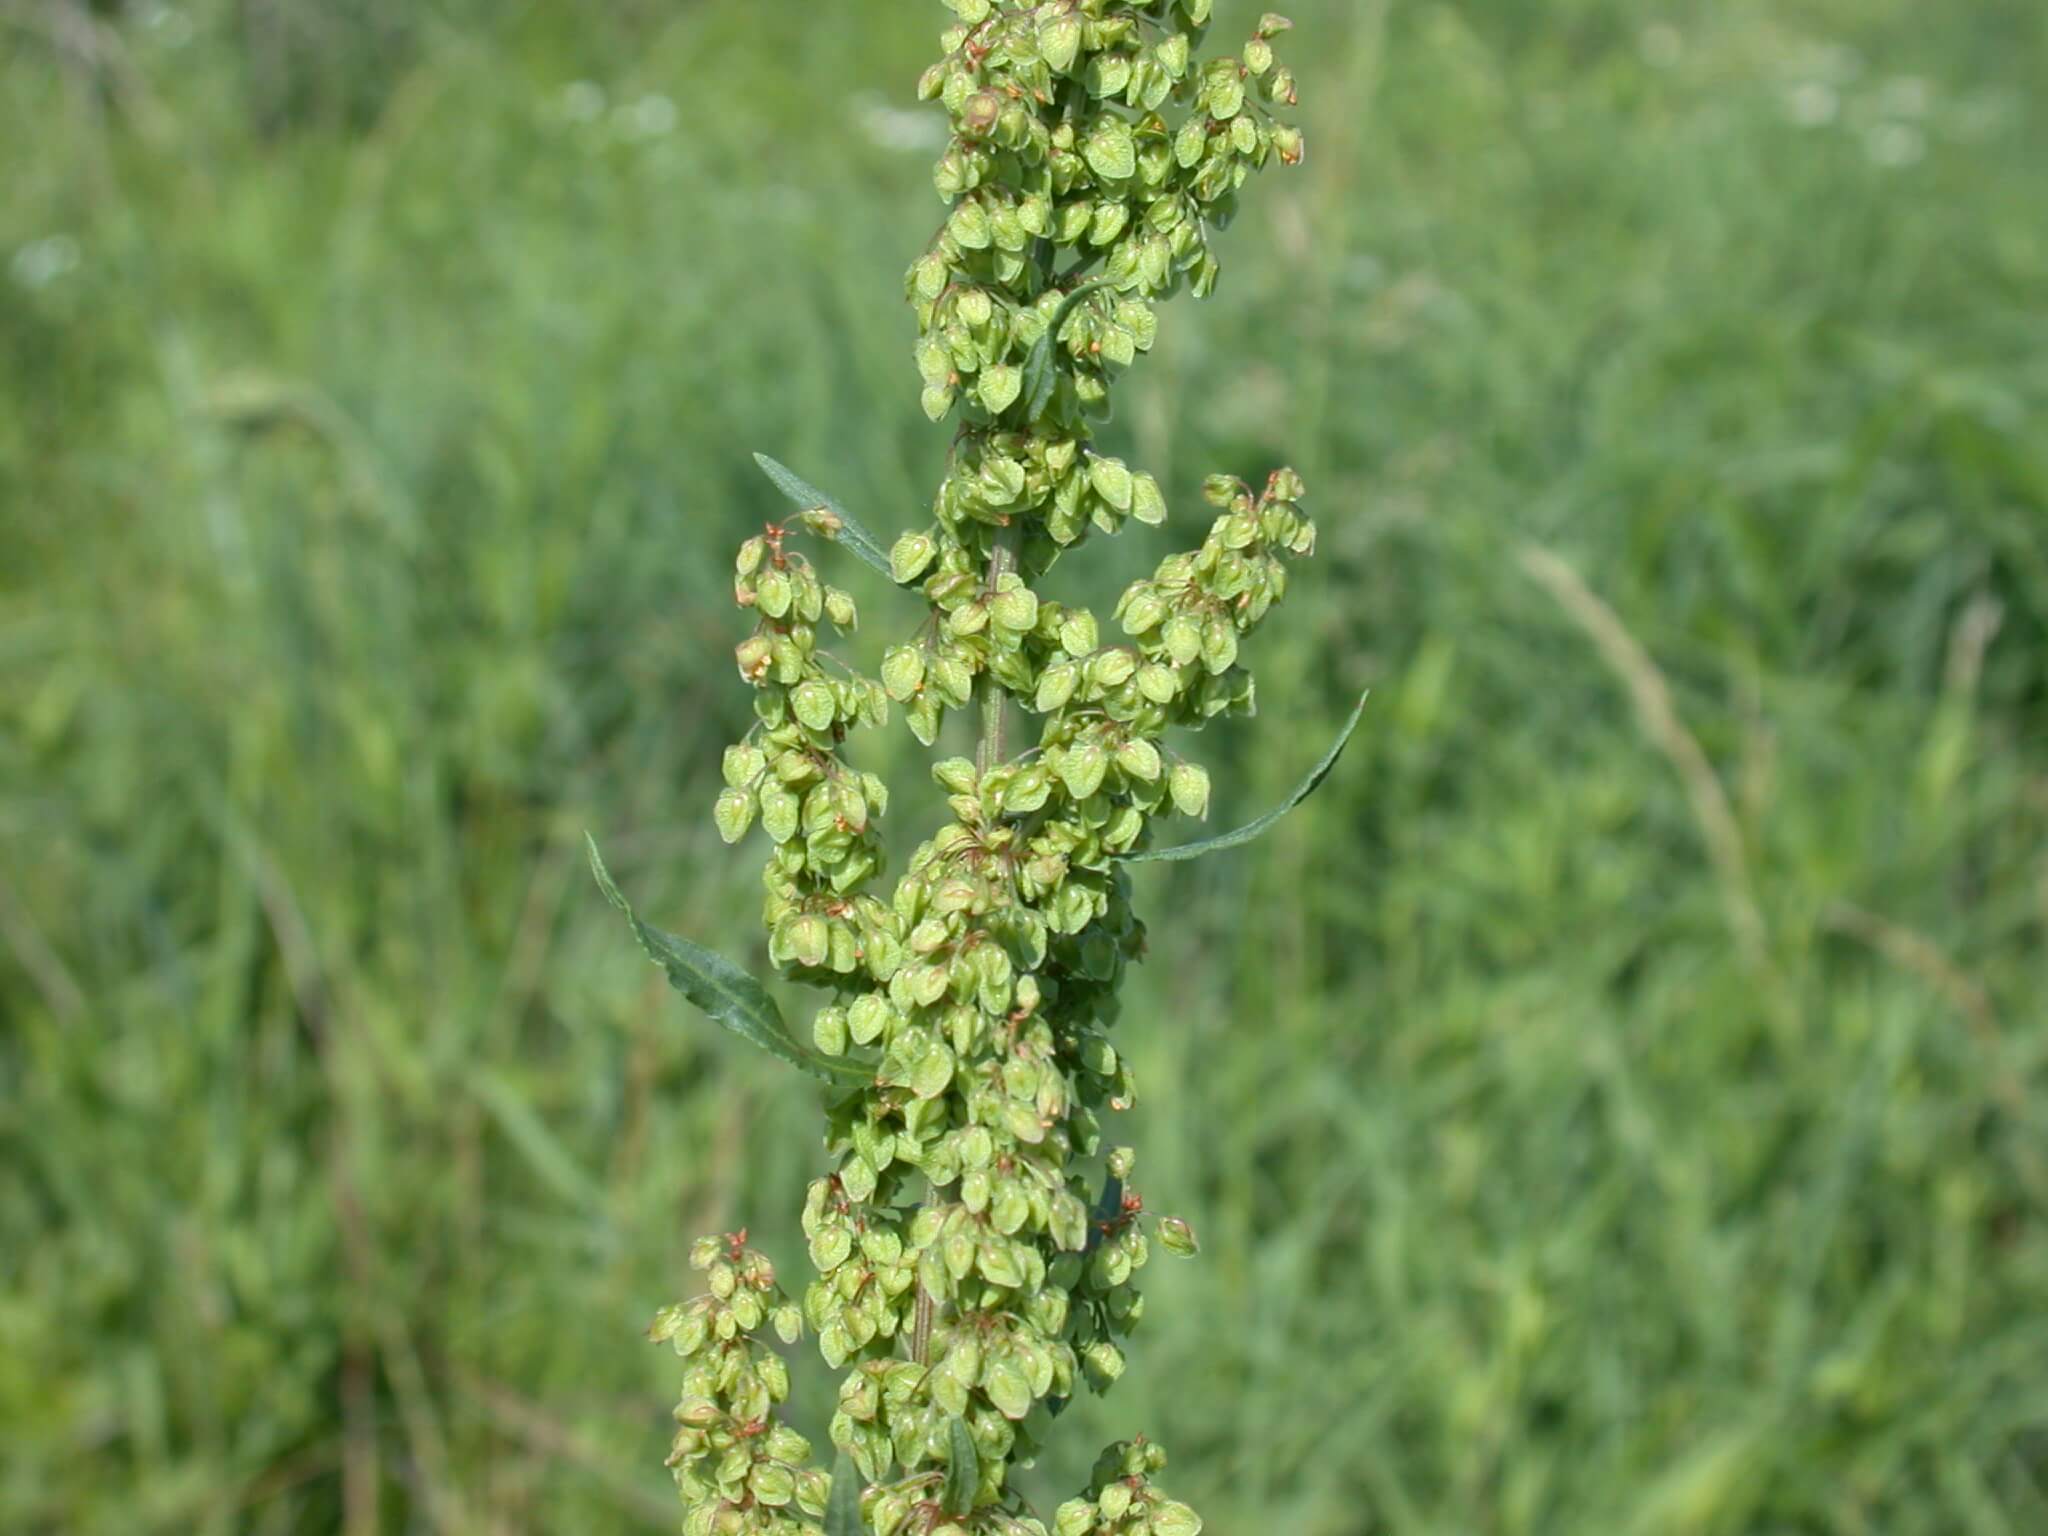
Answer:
(975, 1240)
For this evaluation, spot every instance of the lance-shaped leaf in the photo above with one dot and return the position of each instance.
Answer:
(1041, 375)
(1246, 833)
(963, 1469)
(730, 995)
(840, 525)
(842, 1512)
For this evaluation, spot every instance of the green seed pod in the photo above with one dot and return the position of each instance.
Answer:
(780, 812)
(1219, 645)
(1068, 1223)
(955, 682)
(869, 1018)
(1000, 387)
(1143, 608)
(742, 766)
(976, 1189)
(1110, 150)
(1112, 481)
(1059, 39)
(969, 226)
(933, 1072)
(902, 672)
(1112, 669)
(734, 814)
(890, 1513)
(1159, 684)
(1189, 784)
(814, 705)
(1007, 1386)
(1082, 769)
(1105, 1363)
(1109, 221)
(774, 592)
(1140, 759)
(810, 940)
(1015, 611)
(1056, 685)
(754, 656)
(1079, 635)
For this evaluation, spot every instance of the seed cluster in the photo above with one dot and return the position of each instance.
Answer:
(730, 1454)
(976, 1241)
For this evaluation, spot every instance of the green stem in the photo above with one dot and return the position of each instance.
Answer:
(1002, 561)
(921, 1325)
(988, 752)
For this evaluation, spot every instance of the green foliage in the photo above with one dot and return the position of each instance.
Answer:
(958, 1284)
(1190, 789)
(354, 489)
(842, 1514)
(962, 1486)
(729, 1453)
(826, 516)
(723, 990)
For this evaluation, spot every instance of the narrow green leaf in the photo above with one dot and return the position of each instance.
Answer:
(842, 1512)
(865, 546)
(1246, 833)
(963, 1469)
(1040, 373)
(730, 995)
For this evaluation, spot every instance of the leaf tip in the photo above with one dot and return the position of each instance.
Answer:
(602, 875)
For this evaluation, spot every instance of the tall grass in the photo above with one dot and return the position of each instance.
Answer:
(1650, 1010)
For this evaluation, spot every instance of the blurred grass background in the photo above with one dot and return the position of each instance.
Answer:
(1613, 1106)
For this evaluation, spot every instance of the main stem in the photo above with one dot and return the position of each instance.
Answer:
(1002, 561)
(988, 752)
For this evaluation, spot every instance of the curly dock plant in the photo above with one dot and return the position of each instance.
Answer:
(976, 1240)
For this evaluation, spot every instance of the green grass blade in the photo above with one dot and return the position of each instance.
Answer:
(1250, 830)
(850, 532)
(732, 997)
(529, 1135)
